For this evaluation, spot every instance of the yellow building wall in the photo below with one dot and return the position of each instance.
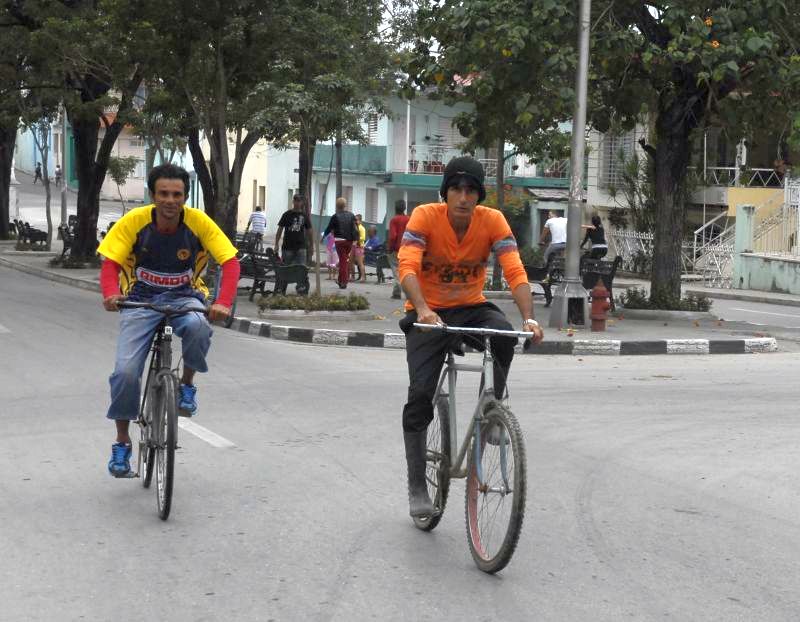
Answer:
(767, 199)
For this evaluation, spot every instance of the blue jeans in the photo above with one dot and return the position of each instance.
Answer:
(137, 327)
(294, 257)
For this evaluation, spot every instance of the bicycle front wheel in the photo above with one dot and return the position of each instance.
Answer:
(496, 486)
(437, 467)
(147, 437)
(165, 423)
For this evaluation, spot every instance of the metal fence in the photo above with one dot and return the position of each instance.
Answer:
(636, 250)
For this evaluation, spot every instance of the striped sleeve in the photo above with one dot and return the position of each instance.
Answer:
(413, 245)
(505, 247)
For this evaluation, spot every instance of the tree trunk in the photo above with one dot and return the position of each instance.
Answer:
(497, 270)
(41, 135)
(305, 166)
(672, 154)
(8, 137)
(338, 147)
(201, 169)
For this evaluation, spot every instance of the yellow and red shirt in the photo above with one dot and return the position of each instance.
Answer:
(453, 273)
(153, 262)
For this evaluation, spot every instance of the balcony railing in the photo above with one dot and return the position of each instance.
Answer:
(731, 176)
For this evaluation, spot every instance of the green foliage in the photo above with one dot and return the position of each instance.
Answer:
(120, 168)
(508, 59)
(636, 298)
(333, 302)
(532, 256)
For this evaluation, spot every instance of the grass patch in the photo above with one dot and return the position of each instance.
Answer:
(332, 302)
(637, 298)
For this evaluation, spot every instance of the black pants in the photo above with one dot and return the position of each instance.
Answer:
(425, 354)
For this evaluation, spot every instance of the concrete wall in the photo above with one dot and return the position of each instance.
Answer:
(769, 274)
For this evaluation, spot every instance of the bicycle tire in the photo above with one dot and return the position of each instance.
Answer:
(499, 428)
(147, 450)
(166, 428)
(437, 471)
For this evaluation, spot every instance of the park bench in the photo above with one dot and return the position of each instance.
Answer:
(260, 267)
(68, 237)
(287, 275)
(590, 271)
(30, 235)
(249, 242)
(379, 260)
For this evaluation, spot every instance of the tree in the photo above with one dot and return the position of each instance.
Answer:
(506, 59)
(689, 65)
(97, 50)
(120, 168)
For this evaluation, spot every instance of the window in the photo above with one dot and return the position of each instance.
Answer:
(139, 172)
(371, 207)
(136, 142)
(372, 128)
(450, 136)
(347, 193)
(615, 152)
(255, 195)
(262, 196)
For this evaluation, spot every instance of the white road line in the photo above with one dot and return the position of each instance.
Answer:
(3, 329)
(766, 313)
(204, 434)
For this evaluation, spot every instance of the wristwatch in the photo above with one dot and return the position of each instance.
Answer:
(531, 322)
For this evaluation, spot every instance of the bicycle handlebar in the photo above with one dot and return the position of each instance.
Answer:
(484, 332)
(167, 310)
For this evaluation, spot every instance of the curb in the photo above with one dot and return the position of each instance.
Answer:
(397, 341)
(579, 347)
(92, 286)
(786, 302)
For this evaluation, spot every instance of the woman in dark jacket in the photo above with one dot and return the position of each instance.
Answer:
(597, 235)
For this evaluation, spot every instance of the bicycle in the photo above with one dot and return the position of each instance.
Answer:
(494, 450)
(158, 413)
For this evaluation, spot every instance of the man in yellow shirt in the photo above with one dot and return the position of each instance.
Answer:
(442, 264)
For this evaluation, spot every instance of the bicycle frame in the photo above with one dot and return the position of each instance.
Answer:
(486, 369)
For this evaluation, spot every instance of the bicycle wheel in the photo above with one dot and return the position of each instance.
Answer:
(165, 427)
(496, 485)
(147, 449)
(437, 471)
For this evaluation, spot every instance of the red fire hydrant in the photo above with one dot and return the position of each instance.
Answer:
(600, 307)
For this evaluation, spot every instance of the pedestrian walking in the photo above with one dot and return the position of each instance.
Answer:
(597, 236)
(397, 227)
(37, 174)
(58, 175)
(343, 226)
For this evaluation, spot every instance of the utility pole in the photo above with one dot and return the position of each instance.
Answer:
(572, 287)
(63, 165)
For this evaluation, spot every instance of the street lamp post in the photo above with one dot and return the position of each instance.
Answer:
(572, 288)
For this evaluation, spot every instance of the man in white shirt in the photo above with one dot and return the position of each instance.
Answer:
(556, 227)
(257, 223)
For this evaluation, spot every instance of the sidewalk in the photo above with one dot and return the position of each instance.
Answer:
(623, 335)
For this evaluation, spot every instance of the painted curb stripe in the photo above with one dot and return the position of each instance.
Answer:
(718, 346)
(303, 335)
(643, 347)
(370, 340)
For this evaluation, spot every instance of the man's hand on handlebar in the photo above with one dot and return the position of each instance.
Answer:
(110, 303)
(538, 333)
(427, 316)
(218, 312)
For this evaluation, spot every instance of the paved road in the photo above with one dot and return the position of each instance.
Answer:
(660, 487)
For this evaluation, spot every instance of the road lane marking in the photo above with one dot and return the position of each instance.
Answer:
(766, 313)
(3, 329)
(204, 434)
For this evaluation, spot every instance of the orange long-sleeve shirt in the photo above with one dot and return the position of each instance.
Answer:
(453, 273)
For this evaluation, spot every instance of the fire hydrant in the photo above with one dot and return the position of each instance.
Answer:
(600, 307)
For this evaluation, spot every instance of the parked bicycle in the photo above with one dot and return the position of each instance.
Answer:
(158, 414)
(494, 451)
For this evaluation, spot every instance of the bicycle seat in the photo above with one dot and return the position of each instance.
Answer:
(457, 346)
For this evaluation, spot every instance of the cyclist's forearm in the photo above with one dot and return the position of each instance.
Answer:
(230, 281)
(524, 300)
(109, 278)
(410, 285)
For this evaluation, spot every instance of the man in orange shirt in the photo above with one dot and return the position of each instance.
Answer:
(442, 265)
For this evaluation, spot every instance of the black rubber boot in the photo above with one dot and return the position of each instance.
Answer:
(419, 502)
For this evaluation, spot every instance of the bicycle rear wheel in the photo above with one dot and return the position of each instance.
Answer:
(496, 486)
(437, 471)
(147, 440)
(165, 425)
